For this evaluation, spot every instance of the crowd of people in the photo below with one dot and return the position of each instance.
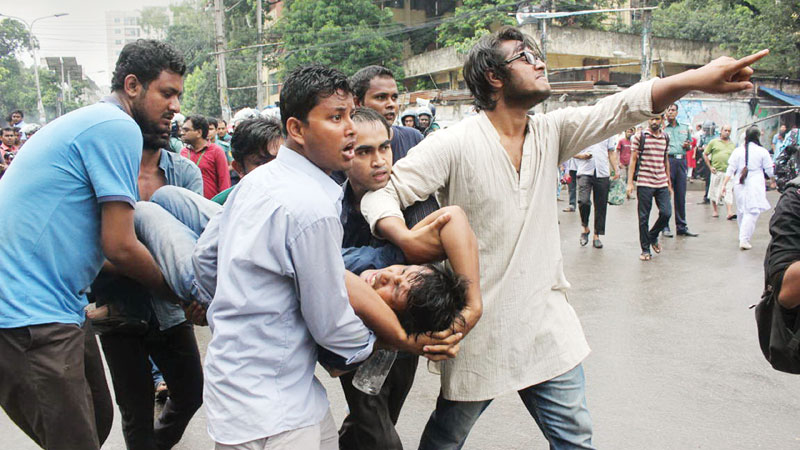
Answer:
(656, 162)
(328, 247)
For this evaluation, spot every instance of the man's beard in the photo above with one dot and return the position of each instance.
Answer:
(514, 96)
(155, 140)
(152, 135)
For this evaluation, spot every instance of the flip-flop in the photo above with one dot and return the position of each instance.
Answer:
(715, 215)
(584, 239)
(732, 216)
(645, 256)
(656, 247)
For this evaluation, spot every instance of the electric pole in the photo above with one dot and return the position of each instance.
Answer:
(647, 50)
(260, 58)
(219, 48)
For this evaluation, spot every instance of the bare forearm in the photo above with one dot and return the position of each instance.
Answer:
(667, 90)
(135, 261)
(461, 247)
(632, 167)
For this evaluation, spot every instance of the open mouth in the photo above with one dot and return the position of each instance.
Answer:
(380, 175)
(390, 116)
(349, 151)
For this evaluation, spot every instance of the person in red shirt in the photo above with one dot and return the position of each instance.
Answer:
(209, 157)
(624, 152)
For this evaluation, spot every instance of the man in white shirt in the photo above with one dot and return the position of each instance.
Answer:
(594, 173)
(499, 166)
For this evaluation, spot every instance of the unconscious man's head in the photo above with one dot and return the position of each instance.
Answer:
(372, 164)
(425, 298)
(255, 143)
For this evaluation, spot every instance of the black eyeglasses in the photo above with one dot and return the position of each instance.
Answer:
(530, 57)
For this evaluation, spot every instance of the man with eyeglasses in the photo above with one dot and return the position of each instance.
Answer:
(209, 157)
(499, 167)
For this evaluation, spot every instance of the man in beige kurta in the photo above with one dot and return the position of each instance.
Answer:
(529, 338)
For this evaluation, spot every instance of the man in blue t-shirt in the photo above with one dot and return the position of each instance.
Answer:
(68, 205)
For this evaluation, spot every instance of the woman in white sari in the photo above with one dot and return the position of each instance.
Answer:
(747, 166)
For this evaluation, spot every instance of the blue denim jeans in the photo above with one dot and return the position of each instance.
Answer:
(558, 406)
(169, 225)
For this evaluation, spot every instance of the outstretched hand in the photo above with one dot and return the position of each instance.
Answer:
(722, 75)
(726, 74)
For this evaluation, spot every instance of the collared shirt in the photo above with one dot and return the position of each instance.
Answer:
(598, 165)
(360, 249)
(528, 332)
(652, 167)
(52, 197)
(280, 292)
(678, 134)
(213, 165)
(134, 299)
(8, 148)
(719, 152)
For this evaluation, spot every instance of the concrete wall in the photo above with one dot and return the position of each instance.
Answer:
(582, 43)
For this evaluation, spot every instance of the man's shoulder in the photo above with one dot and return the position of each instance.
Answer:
(290, 189)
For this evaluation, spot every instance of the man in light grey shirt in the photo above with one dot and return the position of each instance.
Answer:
(282, 288)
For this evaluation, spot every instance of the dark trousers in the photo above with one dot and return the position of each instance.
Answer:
(645, 196)
(175, 352)
(370, 424)
(597, 188)
(52, 385)
(572, 186)
(677, 172)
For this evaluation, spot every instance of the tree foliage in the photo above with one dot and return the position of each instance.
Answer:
(739, 26)
(346, 34)
(17, 82)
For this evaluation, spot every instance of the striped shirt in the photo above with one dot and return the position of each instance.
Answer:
(652, 170)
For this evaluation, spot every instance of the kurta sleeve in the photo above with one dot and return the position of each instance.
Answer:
(423, 172)
(580, 127)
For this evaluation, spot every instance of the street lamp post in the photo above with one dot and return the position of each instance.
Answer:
(39, 103)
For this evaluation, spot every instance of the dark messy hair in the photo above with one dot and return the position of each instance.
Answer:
(146, 58)
(360, 80)
(11, 129)
(253, 137)
(753, 135)
(199, 123)
(486, 56)
(677, 108)
(305, 86)
(366, 115)
(434, 301)
(16, 111)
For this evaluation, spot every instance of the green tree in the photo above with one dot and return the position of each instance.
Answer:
(474, 19)
(739, 26)
(346, 34)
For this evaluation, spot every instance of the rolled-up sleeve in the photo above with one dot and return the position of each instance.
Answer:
(324, 303)
(580, 127)
(423, 172)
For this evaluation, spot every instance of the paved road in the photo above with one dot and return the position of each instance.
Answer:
(675, 362)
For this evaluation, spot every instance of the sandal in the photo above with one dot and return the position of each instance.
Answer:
(645, 256)
(162, 392)
(656, 247)
(584, 239)
(732, 216)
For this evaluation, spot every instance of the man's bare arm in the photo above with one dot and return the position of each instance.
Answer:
(123, 250)
(721, 75)
(378, 317)
(443, 233)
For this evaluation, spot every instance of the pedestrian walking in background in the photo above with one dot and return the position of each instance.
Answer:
(571, 176)
(594, 177)
(716, 155)
(747, 166)
(649, 171)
